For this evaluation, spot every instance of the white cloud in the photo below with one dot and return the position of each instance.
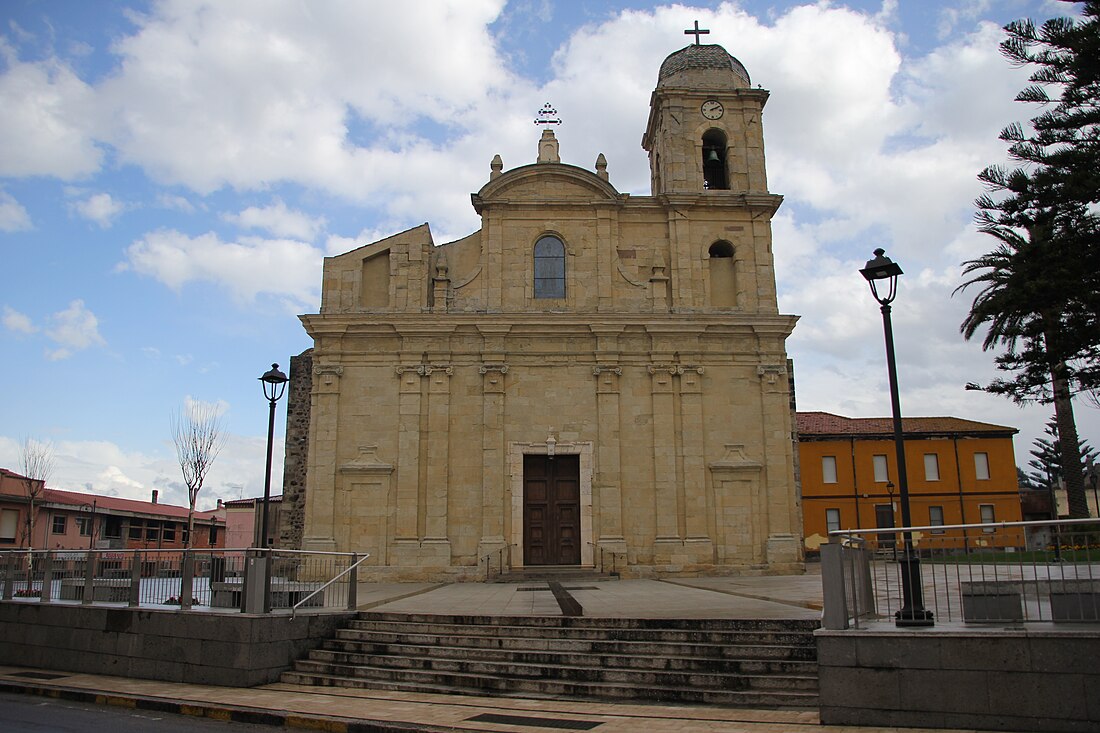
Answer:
(196, 408)
(73, 329)
(46, 121)
(13, 217)
(176, 203)
(246, 268)
(13, 320)
(100, 208)
(278, 220)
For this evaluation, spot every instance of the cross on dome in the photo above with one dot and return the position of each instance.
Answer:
(547, 116)
(696, 32)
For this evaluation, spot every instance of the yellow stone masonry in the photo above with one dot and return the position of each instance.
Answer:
(663, 368)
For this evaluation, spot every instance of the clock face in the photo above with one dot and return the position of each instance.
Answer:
(712, 109)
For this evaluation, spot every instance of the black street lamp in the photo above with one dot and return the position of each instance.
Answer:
(913, 612)
(274, 386)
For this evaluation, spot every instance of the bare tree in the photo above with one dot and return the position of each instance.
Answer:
(36, 465)
(197, 433)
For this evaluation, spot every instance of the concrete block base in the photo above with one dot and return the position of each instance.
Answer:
(953, 676)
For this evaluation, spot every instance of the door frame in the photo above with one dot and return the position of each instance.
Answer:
(584, 449)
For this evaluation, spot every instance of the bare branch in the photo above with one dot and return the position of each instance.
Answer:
(197, 434)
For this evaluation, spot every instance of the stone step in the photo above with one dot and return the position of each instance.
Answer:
(597, 622)
(423, 657)
(558, 573)
(455, 672)
(376, 631)
(378, 640)
(767, 663)
(492, 685)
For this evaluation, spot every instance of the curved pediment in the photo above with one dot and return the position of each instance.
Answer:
(545, 182)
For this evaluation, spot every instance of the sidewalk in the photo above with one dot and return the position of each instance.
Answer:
(336, 709)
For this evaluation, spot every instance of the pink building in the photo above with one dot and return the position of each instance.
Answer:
(72, 520)
(243, 518)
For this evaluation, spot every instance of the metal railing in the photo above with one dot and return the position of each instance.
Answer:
(501, 557)
(251, 580)
(1004, 573)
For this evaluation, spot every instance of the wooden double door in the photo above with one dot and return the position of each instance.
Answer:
(551, 510)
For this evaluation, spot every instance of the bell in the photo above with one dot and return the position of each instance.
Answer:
(712, 156)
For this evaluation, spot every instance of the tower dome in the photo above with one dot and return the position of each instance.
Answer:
(704, 67)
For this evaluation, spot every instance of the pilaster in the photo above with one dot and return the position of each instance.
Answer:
(439, 418)
(492, 457)
(320, 532)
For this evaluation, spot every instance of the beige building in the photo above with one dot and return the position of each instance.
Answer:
(588, 370)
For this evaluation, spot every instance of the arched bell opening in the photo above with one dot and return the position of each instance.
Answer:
(715, 176)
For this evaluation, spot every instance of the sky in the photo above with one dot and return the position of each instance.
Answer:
(173, 173)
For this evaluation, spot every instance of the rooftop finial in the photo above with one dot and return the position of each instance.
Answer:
(696, 32)
(547, 116)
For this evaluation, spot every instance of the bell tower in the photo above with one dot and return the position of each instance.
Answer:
(704, 131)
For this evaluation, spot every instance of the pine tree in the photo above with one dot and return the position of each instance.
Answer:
(1040, 289)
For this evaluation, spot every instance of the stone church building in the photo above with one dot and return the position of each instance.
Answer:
(590, 373)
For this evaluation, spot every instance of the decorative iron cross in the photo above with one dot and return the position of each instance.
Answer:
(547, 116)
(696, 32)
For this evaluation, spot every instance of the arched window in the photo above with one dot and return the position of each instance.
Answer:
(714, 161)
(721, 249)
(723, 275)
(549, 268)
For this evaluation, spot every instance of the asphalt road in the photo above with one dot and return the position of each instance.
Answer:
(34, 714)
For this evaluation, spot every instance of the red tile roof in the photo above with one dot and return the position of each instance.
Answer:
(113, 503)
(826, 424)
(250, 502)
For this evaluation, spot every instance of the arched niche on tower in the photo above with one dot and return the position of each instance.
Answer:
(722, 273)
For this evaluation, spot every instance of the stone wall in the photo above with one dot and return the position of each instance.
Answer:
(987, 679)
(292, 513)
(234, 650)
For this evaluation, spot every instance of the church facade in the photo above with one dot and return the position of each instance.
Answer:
(589, 375)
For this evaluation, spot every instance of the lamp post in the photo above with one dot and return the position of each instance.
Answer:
(913, 612)
(274, 383)
(893, 538)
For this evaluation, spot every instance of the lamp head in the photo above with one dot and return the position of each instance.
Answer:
(274, 383)
(882, 268)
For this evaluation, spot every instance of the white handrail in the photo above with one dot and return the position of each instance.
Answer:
(347, 570)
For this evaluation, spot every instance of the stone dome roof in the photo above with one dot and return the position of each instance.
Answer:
(695, 65)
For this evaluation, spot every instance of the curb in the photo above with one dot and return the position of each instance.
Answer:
(236, 714)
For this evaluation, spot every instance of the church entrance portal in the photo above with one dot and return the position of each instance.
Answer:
(551, 510)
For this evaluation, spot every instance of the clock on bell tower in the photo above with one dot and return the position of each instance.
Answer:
(704, 131)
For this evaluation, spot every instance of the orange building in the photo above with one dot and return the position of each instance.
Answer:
(959, 471)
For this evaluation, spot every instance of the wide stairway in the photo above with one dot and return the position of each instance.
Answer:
(746, 663)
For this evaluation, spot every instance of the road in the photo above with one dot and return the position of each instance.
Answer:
(34, 714)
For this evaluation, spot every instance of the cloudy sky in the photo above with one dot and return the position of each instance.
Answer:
(172, 174)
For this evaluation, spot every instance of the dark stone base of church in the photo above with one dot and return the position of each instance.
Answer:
(235, 650)
(988, 679)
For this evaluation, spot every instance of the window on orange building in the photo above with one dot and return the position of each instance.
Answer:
(931, 467)
(828, 469)
(59, 524)
(832, 520)
(882, 469)
(988, 517)
(981, 466)
(935, 518)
